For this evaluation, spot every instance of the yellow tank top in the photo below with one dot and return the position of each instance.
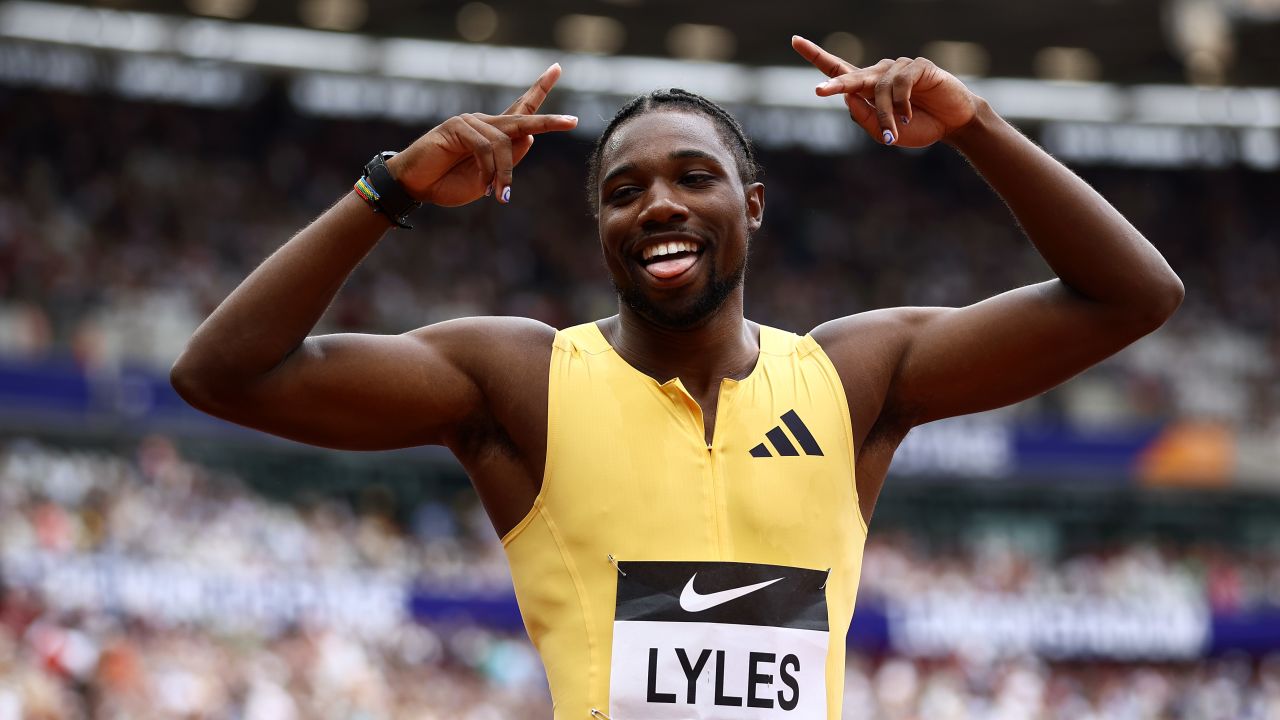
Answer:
(629, 478)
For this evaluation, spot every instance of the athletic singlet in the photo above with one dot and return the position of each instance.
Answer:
(661, 578)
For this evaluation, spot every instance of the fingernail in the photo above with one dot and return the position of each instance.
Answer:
(489, 190)
(905, 120)
(570, 118)
(822, 86)
(506, 194)
(888, 137)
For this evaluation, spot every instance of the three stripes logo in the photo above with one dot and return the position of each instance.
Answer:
(782, 444)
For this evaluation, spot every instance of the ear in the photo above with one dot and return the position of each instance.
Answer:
(755, 205)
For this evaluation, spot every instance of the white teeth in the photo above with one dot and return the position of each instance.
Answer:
(668, 249)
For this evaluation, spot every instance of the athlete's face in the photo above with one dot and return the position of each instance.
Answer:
(675, 217)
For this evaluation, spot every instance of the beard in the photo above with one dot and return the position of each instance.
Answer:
(694, 314)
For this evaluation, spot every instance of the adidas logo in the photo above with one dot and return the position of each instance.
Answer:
(782, 444)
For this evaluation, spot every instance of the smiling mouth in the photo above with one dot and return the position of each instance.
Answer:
(670, 260)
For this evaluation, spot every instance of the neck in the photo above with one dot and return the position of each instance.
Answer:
(725, 345)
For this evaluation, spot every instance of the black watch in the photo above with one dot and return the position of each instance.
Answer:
(390, 197)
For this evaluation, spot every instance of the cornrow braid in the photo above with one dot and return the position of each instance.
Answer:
(674, 99)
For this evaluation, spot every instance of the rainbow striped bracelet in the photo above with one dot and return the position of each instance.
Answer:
(367, 193)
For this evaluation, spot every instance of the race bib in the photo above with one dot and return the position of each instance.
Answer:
(719, 641)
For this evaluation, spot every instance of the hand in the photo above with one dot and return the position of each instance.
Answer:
(912, 103)
(472, 155)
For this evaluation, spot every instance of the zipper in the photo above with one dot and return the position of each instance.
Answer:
(723, 545)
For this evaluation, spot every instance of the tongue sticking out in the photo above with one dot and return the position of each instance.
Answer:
(671, 268)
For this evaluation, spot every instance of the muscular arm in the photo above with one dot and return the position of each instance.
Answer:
(1113, 287)
(253, 363)
(908, 366)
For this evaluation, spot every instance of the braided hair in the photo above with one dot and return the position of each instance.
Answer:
(674, 99)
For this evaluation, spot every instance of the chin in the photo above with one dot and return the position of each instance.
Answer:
(686, 318)
(687, 312)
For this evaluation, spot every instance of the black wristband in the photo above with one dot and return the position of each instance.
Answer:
(389, 196)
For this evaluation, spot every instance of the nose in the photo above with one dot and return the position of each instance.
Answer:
(662, 206)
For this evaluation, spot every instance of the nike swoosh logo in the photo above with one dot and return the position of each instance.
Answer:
(693, 601)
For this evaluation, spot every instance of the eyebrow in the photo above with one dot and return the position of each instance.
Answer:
(691, 153)
(620, 170)
(683, 154)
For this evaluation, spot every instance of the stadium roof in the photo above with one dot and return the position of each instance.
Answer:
(1233, 42)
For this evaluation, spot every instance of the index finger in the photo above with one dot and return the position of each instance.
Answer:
(819, 58)
(518, 125)
(532, 98)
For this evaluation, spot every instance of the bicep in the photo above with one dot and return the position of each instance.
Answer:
(374, 392)
(1002, 350)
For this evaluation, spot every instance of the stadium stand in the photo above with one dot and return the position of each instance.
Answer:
(169, 207)
(139, 581)
(119, 523)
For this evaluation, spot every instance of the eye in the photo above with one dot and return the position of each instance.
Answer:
(698, 178)
(622, 192)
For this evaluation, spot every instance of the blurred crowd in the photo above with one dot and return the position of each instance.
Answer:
(73, 666)
(897, 565)
(122, 224)
(157, 506)
(63, 659)
(897, 688)
(58, 667)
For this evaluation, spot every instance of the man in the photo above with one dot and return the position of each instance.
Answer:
(683, 494)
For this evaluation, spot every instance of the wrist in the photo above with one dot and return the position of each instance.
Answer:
(395, 164)
(362, 203)
(982, 123)
(400, 166)
(384, 193)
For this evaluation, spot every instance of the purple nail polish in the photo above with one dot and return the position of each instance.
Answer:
(506, 194)
(489, 190)
(887, 136)
(905, 120)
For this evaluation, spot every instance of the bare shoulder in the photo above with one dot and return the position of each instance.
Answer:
(479, 342)
(872, 341)
(882, 325)
(502, 355)
(866, 350)
(508, 359)
(501, 440)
